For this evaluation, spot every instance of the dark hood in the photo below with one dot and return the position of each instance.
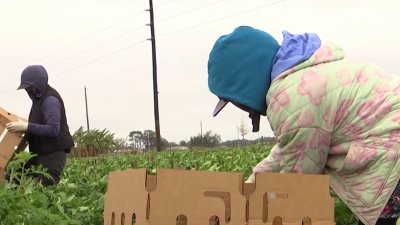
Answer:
(36, 76)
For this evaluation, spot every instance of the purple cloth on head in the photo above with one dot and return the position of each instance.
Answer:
(294, 50)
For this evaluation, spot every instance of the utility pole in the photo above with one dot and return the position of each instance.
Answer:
(201, 134)
(238, 133)
(87, 112)
(155, 88)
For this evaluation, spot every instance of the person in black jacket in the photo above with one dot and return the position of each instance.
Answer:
(47, 129)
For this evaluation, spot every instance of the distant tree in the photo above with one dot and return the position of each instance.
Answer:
(136, 138)
(121, 143)
(268, 140)
(183, 143)
(207, 140)
(243, 130)
(261, 140)
(164, 143)
(149, 139)
(146, 140)
(172, 144)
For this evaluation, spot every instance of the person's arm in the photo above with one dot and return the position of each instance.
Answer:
(51, 110)
(303, 150)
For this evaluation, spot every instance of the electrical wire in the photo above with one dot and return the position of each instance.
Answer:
(137, 13)
(222, 18)
(61, 49)
(187, 11)
(100, 58)
(6, 92)
(98, 45)
(130, 31)
(138, 43)
(165, 3)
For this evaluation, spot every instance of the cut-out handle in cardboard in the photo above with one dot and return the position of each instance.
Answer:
(130, 219)
(306, 221)
(269, 197)
(214, 220)
(307, 196)
(133, 219)
(225, 197)
(182, 192)
(148, 207)
(277, 220)
(181, 220)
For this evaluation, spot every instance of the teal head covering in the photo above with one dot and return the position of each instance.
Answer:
(239, 68)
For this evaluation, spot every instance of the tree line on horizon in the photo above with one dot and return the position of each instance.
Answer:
(94, 142)
(147, 140)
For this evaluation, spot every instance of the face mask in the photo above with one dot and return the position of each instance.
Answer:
(34, 92)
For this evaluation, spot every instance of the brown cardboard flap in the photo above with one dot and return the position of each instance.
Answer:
(291, 197)
(126, 197)
(9, 143)
(6, 117)
(186, 197)
(1, 176)
(200, 196)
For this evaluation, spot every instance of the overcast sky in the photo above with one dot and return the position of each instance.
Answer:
(101, 44)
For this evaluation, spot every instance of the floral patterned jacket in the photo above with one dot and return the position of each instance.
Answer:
(334, 117)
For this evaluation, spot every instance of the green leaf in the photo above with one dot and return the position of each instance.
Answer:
(83, 208)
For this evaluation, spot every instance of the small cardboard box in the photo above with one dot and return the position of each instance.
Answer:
(9, 143)
(187, 197)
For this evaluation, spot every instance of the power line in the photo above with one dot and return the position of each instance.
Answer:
(98, 45)
(223, 18)
(83, 39)
(100, 58)
(91, 35)
(6, 92)
(119, 36)
(137, 28)
(136, 44)
(190, 10)
(166, 3)
(87, 38)
(130, 31)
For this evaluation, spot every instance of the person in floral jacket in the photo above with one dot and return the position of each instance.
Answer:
(329, 116)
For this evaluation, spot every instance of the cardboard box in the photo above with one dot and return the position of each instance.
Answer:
(9, 143)
(203, 197)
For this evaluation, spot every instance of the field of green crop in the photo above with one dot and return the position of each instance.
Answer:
(79, 198)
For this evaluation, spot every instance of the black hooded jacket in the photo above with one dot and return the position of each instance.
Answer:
(41, 141)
